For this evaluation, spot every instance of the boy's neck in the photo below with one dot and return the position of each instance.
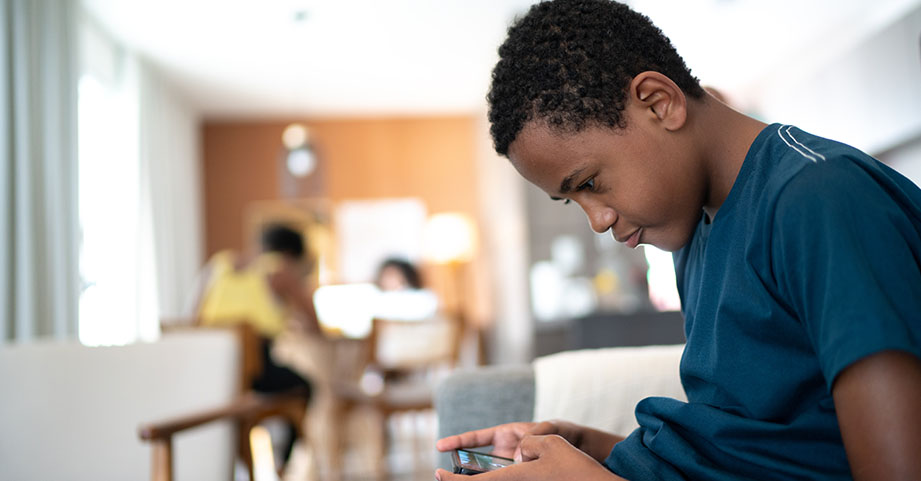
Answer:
(725, 137)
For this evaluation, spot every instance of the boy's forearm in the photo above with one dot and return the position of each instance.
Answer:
(597, 444)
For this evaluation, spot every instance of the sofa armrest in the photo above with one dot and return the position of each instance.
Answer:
(483, 397)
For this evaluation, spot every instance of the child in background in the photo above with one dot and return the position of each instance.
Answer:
(396, 274)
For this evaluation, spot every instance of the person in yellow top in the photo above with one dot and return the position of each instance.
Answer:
(269, 291)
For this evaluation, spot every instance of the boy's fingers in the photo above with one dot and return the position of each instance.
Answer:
(470, 439)
(533, 447)
(545, 427)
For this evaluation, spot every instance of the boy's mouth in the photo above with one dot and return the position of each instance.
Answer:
(634, 239)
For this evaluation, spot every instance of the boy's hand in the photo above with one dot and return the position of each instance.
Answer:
(543, 457)
(504, 438)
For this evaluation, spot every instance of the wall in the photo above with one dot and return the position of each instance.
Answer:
(868, 97)
(239, 166)
(906, 159)
(431, 158)
(505, 247)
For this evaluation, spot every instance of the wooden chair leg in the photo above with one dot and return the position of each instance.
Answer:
(414, 437)
(339, 415)
(243, 444)
(383, 446)
(162, 462)
(296, 414)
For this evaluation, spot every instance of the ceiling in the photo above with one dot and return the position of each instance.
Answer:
(283, 58)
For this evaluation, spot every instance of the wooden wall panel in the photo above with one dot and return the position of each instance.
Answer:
(429, 158)
(238, 166)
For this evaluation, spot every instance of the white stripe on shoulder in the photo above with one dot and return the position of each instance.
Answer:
(794, 147)
(802, 144)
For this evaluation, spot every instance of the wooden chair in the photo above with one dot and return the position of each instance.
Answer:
(247, 411)
(405, 357)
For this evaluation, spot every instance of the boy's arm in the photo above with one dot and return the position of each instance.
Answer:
(597, 444)
(878, 401)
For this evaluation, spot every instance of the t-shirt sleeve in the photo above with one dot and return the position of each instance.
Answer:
(846, 259)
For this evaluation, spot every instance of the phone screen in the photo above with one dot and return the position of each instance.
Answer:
(471, 462)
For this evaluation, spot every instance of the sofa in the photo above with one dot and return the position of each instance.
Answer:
(592, 387)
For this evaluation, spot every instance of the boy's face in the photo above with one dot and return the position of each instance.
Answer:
(640, 182)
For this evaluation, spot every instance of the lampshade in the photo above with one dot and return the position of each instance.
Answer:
(449, 237)
(295, 136)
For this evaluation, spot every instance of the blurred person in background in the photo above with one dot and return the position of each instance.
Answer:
(396, 274)
(271, 292)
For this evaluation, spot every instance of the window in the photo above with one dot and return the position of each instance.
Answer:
(112, 301)
(663, 291)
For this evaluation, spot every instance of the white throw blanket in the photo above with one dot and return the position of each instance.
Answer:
(601, 387)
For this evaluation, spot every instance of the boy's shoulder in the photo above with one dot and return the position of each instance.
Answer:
(792, 178)
(797, 165)
(827, 185)
(793, 150)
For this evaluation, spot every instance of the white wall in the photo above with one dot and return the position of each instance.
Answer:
(502, 205)
(868, 97)
(906, 159)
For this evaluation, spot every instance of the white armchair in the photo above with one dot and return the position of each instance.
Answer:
(71, 412)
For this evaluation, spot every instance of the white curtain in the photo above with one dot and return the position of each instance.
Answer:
(39, 279)
(170, 173)
(141, 197)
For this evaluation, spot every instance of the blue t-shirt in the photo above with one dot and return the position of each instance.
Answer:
(812, 262)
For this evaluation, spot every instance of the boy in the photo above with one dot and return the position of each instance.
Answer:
(797, 261)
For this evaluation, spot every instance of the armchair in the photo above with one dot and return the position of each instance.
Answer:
(69, 411)
(248, 409)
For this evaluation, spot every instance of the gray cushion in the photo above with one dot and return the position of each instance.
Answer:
(483, 397)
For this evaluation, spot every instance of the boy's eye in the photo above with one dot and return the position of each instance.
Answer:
(588, 184)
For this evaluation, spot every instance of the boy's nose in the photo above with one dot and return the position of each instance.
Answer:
(600, 217)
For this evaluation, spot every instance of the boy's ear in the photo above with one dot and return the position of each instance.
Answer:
(661, 97)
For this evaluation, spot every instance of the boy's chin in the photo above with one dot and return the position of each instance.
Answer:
(668, 245)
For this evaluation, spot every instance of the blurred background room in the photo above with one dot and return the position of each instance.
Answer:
(141, 138)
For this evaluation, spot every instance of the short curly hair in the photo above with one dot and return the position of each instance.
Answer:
(569, 62)
(281, 239)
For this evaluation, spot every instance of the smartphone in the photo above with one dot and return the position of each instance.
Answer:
(472, 462)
